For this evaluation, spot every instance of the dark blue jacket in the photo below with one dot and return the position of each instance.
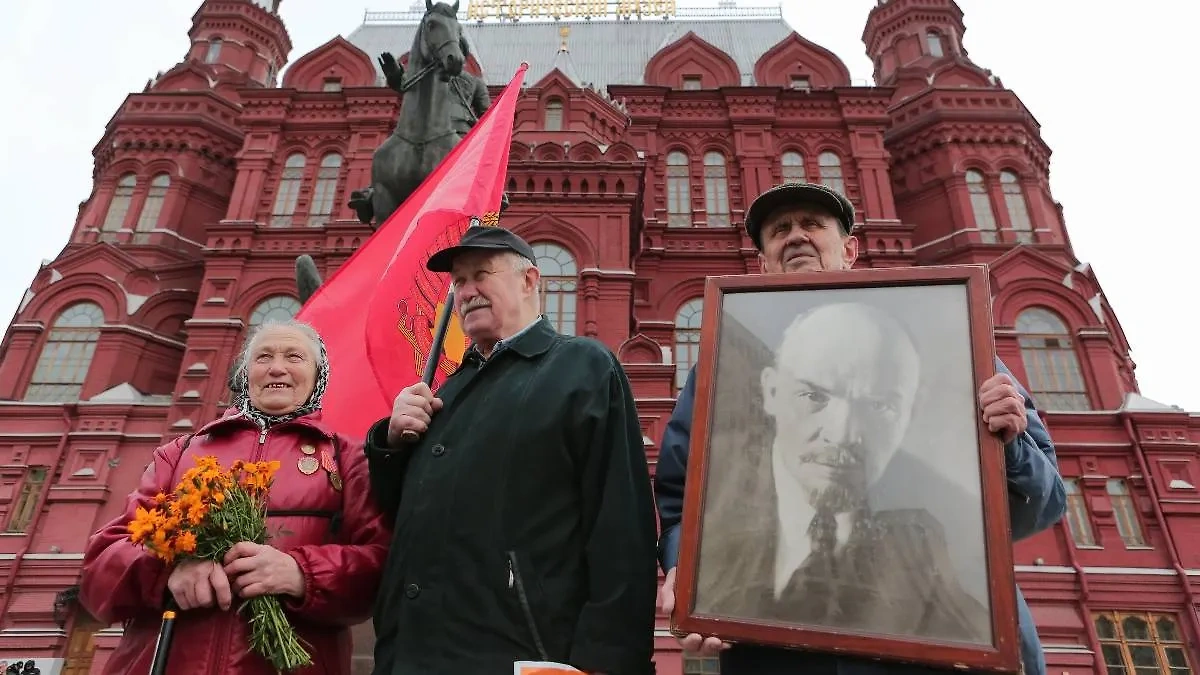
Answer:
(1037, 500)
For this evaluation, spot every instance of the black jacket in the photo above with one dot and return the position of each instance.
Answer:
(524, 519)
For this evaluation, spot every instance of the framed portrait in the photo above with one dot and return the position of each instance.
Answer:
(844, 494)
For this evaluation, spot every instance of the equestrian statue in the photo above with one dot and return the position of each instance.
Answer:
(441, 104)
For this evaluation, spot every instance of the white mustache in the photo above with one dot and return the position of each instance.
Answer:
(475, 303)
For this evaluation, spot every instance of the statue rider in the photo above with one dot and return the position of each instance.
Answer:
(464, 99)
(471, 102)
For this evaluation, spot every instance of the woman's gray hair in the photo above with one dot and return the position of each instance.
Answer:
(241, 371)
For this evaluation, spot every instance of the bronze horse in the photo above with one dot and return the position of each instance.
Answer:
(436, 113)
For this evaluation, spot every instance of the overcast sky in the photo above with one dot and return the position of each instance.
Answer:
(1107, 86)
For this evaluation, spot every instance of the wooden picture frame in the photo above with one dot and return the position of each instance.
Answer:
(780, 474)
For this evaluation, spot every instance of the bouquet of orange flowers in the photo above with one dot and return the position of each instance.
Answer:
(211, 510)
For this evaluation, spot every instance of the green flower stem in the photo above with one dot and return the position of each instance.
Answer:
(272, 636)
(243, 517)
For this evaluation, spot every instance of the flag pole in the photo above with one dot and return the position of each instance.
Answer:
(435, 355)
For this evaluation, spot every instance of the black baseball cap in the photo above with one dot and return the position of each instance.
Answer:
(480, 237)
(795, 194)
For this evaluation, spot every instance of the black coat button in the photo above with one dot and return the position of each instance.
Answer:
(412, 591)
(439, 450)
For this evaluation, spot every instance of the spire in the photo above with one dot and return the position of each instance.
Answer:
(240, 40)
(913, 34)
(563, 61)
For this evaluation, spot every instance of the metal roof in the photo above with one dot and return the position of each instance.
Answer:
(603, 52)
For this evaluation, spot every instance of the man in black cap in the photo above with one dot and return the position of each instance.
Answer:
(523, 515)
(808, 227)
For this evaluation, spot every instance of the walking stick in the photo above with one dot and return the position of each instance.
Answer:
(162, 648)
(435, 355)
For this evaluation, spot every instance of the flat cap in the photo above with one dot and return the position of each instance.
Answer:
(797, 194)
(480, 237)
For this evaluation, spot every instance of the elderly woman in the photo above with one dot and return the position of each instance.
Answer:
(324, 562)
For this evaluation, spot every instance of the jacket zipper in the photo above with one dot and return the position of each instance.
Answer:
(514, 575)
(262, 439)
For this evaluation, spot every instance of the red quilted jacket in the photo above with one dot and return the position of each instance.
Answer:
(341, 566)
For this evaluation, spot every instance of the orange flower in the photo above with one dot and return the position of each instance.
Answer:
(181, 523)
(142, 525)
(185, 542)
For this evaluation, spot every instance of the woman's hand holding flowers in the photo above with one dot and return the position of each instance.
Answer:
(259, 569)
(197, 583)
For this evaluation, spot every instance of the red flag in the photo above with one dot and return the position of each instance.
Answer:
(377, 312)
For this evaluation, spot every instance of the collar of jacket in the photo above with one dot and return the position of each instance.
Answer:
(533, 342)
(233, 418)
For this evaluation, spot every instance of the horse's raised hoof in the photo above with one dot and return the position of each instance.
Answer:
(360, 201)
(308, 279)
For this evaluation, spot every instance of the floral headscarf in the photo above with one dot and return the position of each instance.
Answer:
(312, 404)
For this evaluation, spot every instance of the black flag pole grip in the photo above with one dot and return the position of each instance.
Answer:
(435, 355)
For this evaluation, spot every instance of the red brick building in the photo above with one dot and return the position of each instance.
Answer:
(639, 142)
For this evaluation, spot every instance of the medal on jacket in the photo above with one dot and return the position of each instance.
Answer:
(327, 463)
(308, 464)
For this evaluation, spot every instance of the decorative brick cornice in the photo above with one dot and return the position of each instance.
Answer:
(964, 115)
(172, 107)
(750, 103)
(695, 109)
(245, 237)
(643, 103)
(945, 132)
(155, 122)
(808, 109)
(864, 105)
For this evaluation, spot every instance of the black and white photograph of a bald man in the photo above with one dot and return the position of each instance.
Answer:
(844, 477)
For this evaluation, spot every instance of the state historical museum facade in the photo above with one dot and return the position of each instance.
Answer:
(638, 145)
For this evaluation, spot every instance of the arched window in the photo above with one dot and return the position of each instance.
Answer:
(679, 190)
(831, 171)
(716, 190)
(792, 166)
(981, 207)
(214, 51)
(288, 191)
(152, 209)
(1051, 366)
(1014, 201)
(687, 339)
(326, 187)
(934, 42)
(1139, 643)
(67, 354)
(554, 115)
(118, 208)
(275, 308)
(560, 279)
